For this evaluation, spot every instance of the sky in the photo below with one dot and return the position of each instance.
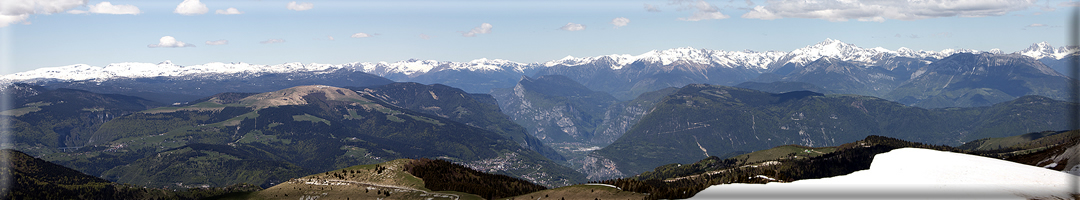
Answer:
(51, 33)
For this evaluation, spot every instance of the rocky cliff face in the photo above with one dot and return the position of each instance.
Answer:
(554, 109)
(573, 119)
(478, 110)
(621, 116)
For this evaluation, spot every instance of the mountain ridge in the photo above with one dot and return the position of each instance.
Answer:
(413, 67)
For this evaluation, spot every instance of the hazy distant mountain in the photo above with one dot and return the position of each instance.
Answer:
(845, 77)
(703, 120)
(170, 83)
(783, 87)
(963, 80)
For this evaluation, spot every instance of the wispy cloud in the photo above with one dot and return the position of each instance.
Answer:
(620, 22)
(271, 41)
(361, 35)
(108, 8)
(865, 10)
(217, 42)
(572, 27)
(1070, 4)
(300, 6)
(230, 11)
(331, 38)
(16, 11)
(425, 36)
(651, 8)
(191, 7)
(169, 42)
(701, 10)
(484, 28)
(1036, 25)
(942, 34)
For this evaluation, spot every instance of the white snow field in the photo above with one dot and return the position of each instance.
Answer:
(913, 173)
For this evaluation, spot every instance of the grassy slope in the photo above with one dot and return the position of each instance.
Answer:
(1020, 141)
(356, 182)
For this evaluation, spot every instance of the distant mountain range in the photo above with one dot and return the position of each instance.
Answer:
(768, 61)
(621, 75)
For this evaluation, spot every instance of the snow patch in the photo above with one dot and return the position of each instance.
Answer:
(912, 173)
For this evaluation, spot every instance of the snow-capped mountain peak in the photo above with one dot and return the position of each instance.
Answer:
(836, 49)
(1043, 50)
(829, 48)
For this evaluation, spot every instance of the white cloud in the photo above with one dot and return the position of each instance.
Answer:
(620, 22)
(702, 10)
(651, 8)
(15, 11)
(77, 12)
(330, 37)
(425, 36)
(19, 7)
(870, 10)
(760, 12)
(229, 11)
(169, 42)
(572, 27)
(1070, 4)
(191, 7)
(300, 6)
(108, 8)
(360, 35)
(217, 42)
(11, 19)
(271, 41)
(484, 28)
(1036, 25)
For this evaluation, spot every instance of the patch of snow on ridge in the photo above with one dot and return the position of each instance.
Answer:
(912, 173)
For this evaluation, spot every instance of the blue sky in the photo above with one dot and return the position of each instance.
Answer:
(39, 33)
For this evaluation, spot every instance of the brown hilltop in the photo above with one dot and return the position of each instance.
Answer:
(295, 96)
